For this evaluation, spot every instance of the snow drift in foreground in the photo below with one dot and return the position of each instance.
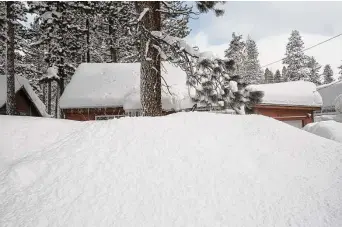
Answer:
(186, 169)
(327, 129)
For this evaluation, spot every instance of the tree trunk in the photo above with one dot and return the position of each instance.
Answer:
(88, 39)
(56, 104)
(10, 103)
(49, 97)
(112, 41)
(150, 75)
(44, 93)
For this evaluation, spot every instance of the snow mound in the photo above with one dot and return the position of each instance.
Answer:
(294, 93)
(328, 129)
(188, 170)
(41, 132)
(117, 85)
(21, 82)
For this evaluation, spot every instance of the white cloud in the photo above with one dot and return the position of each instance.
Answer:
(272, 48)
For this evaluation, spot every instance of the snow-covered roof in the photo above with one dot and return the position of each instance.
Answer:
(329, 93)
(294, 93)
(117, 84)
(21, 82)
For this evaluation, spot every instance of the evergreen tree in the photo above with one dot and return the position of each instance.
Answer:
(15, 13)
(151, 45)
(253, 74)
(268, 76)
(295, 58)
(277, 76)
(3, 37)
(340, 72)
(328, 74)
(314, 68)
(284, 74)
(238, 53)
(214, 83)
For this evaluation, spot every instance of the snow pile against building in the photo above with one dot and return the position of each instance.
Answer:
(21, 82)
(117, 84)
(329, 93)
(122, 172)
(329, 129)
(294, 93)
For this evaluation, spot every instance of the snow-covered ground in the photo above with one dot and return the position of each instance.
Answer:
(185, 169)
(328, 129)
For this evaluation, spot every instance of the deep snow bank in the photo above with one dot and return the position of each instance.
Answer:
(186, 169)
(21, 136)
(328, 129)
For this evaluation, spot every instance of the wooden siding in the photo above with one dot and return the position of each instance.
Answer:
(24, 105)
(282, 113)
(286, 113)
(88, 114)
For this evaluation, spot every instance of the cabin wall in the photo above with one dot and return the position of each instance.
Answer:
(24, 105)
(88, 114)
(287, 113)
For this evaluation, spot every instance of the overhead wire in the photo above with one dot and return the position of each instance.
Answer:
(305, 49)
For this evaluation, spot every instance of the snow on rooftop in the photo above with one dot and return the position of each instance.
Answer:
(117, 84)
(294, 93)
(21, 82)
(186, 171)
(329, 93)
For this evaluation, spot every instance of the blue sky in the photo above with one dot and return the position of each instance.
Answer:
(270, 24)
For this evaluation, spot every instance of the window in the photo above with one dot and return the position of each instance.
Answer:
(134, 113)
(107, 117)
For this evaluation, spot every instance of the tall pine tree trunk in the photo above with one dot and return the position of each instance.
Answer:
(88, 39)
(49, 97)
(10, 103)
(44, 93)
(112, 41)
(56, 104)
(150, 75)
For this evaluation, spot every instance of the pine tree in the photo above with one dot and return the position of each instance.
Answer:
(150, 78)
(150, 50)
(295, 58)
(15, 12)
(284, 74)
(268, 76)
(314, 68)
(277, 76)
(340, 72)
(253, 73)
(3, 37)
(238, 53)
(214, 83)
(328, 74)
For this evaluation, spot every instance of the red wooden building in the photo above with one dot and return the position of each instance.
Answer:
(27, 101)
(291, 102)
(99, 91)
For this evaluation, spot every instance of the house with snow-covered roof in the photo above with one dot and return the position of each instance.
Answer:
(292, 102)
(111, 90)
(27, 101)
(100, 91)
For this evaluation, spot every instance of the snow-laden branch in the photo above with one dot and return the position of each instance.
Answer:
(141, 16)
